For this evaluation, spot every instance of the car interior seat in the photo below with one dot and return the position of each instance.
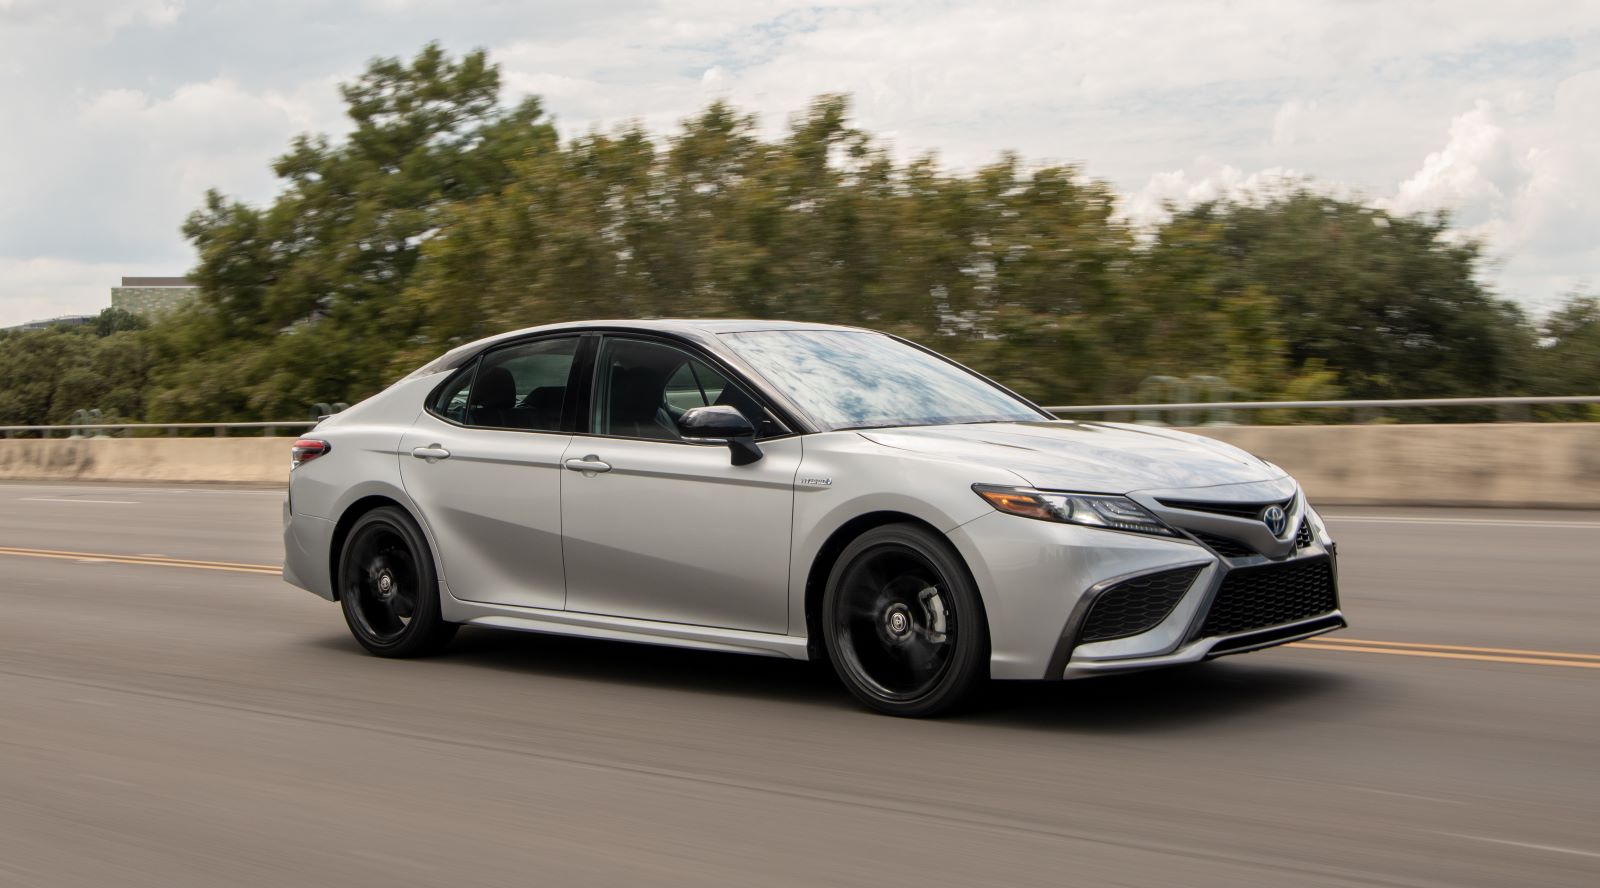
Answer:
(493, 397)
(635, 405)
(541, 407)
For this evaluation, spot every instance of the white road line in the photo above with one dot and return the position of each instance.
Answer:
(73, 499)
(1530, 845)
(1470, 522)
(1407, 795)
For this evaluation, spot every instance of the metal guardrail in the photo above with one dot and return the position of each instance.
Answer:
(1371, 407)
(219, 429)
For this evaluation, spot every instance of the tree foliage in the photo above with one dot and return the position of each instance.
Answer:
(48, 375)
(295, 297)
(446, 215)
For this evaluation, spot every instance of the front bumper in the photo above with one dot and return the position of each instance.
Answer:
(1208, 648)
(1040, 581)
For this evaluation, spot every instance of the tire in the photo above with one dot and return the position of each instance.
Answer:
(903, 624)
(388, 588)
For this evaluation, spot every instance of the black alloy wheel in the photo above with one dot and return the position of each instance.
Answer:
(903, 625)
(388, 588)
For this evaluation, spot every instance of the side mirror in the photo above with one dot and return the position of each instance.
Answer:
(721, 424)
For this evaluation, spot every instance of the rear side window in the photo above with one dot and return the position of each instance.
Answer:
(519, 387)
(523, 386)
(451, 403)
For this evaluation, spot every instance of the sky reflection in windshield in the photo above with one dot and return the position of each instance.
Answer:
(846, 379)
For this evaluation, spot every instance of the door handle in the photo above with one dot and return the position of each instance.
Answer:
(589, 465)
(430, 453)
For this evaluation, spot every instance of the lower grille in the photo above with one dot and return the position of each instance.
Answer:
(1137, 605)
(1271, 595)
(1277, 635)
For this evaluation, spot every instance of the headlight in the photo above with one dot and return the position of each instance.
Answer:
(1089, 510)
(1318, 526)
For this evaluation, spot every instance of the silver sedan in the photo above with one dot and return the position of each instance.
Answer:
(794, 490)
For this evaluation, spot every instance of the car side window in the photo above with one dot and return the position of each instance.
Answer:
(451, 402)
(521, 387)
(694, 384)
(643, 388)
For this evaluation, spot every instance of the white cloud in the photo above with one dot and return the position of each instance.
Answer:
(1475, 174)
(97, 19)
(214, 116)
(1521, 177)
(113, 177)
(1207, 180)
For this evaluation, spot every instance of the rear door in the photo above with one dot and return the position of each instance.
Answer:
(657, 528)
(483, 465)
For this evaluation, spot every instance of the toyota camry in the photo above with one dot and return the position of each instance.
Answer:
(794, 490)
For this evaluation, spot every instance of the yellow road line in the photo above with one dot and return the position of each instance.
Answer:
(142, 559)
(1358, 645)
(1414, 645)
(1444, 655)
(1463, 522)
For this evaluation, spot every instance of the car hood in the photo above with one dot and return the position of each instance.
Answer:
(1092, 457)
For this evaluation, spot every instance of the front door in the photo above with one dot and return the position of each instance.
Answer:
(483, 465)
(656, 528)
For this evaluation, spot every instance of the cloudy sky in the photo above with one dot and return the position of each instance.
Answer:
(116, 115)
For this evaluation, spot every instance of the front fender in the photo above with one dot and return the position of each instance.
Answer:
(864, 478)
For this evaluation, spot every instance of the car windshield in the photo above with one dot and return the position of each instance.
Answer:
(857, 379)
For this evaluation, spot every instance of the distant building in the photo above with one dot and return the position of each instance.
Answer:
(148, 297)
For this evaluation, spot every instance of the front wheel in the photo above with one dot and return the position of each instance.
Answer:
(388, 588)
(903, 624)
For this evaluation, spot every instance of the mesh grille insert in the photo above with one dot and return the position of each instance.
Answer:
(1137, 605)
(1259, 597)
(1302, 537)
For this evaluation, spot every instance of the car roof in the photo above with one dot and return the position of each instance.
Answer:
(694, 328)
(684, 325)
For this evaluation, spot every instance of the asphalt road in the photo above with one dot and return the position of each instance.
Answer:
(186, 725)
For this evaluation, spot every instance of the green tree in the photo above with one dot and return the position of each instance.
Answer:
(1392, 303)
(1567, 358)
(48, 375)
(297, 299)
(446, 215)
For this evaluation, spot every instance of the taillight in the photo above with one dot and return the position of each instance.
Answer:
(305, 450)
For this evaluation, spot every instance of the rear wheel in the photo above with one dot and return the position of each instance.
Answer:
(902, 622)
(388, 588)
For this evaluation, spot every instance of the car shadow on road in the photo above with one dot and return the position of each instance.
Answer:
(1216, 692)
(630, 664)
(1219, 692)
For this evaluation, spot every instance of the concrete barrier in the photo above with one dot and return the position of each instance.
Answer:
(223, 460)
(1529, 465)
